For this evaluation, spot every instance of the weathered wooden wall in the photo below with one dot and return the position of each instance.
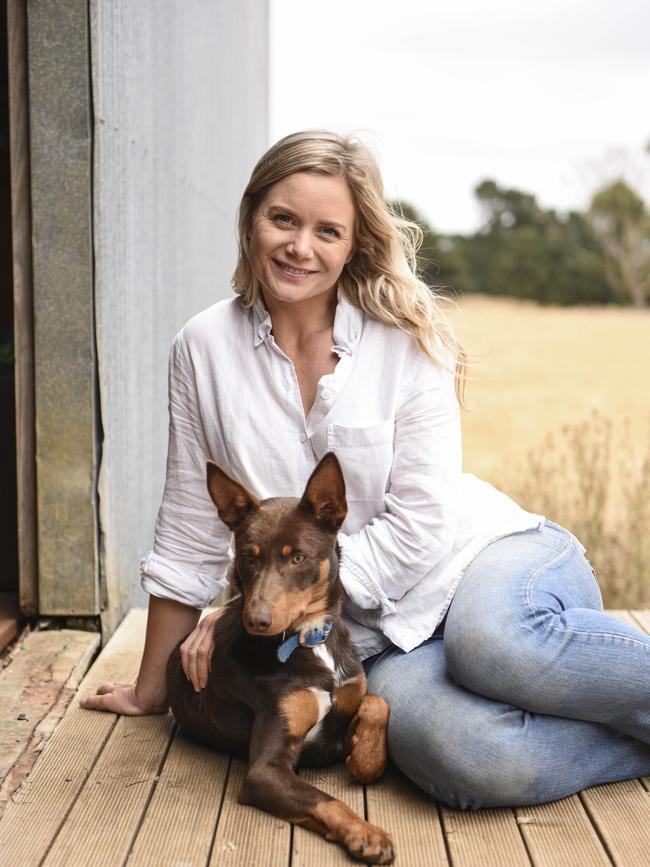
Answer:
(160, 112)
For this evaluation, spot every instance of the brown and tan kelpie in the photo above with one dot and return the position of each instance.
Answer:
(286, 686)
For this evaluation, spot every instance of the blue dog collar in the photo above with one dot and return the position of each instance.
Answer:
(312, 638)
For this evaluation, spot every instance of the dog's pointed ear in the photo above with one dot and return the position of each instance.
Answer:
(232, 500)
(324, 495)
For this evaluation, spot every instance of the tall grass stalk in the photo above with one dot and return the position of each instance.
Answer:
(594, 479)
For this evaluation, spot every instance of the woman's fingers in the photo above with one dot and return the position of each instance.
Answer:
(196, 651)
(120, 698)
(109, 687)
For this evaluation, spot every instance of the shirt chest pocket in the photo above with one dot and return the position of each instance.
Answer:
(366, 457)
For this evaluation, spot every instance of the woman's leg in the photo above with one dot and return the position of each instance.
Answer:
(471, 752)
(526, 627)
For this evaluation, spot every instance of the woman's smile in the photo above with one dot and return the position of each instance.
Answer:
(290, 272)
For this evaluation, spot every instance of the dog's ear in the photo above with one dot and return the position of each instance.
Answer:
(232, 500)
(324, 495)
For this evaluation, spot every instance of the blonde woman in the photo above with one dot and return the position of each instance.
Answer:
(479, 622)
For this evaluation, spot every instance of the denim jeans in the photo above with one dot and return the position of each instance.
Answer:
(530, 692)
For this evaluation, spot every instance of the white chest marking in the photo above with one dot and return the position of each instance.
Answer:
(324, 704)
(324, 655)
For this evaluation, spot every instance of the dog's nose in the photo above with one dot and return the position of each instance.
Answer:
(259, 621)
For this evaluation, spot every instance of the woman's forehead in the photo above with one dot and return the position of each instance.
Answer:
(326, 196)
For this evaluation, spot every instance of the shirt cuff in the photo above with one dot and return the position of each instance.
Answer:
(168, 580)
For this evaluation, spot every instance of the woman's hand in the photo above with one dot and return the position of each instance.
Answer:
(122, 698)
(196, 650)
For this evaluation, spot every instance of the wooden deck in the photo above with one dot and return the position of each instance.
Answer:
(113, 790)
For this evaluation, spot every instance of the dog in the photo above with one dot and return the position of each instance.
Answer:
(285, 684)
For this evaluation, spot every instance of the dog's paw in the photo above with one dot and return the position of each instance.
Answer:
(369, 843)
(369, 750)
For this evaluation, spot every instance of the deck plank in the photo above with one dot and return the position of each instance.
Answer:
(309, 849)
(411, 818)
(483, 838)
(100, 828)
(35, 690)
(180, 822)
(561, 833)
(621, 813)
(39, 807)
(247, 837)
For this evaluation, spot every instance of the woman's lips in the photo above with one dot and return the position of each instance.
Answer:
(291, 273)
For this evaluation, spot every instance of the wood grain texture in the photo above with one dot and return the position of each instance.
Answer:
(21, 241)
(309, 849)
(35, 690)
(182, 816)
(411, 818)
(247, 837)
(38, 809)
(101, 826)
(559, 834)
(621, 813)
(484, 838)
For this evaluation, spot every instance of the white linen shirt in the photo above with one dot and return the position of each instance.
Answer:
(415, 520)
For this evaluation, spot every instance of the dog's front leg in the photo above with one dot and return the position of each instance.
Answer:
(272, 785)
(366, 739)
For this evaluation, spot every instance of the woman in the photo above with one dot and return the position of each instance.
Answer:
(480, 623)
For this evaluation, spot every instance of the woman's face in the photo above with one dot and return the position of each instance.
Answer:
(302, 236)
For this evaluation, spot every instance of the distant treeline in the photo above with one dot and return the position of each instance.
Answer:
(521, 250)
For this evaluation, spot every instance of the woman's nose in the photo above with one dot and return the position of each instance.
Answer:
(300, 245)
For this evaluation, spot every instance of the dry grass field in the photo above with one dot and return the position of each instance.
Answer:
(559, 417)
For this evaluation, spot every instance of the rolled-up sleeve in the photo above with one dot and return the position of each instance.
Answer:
(392, 553)
(189, 559)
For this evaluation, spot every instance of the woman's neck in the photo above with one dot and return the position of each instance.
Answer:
(296, 324)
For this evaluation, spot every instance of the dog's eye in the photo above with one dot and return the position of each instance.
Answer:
(247, 556)
(297, 557)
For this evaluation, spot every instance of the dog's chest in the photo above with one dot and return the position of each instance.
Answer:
(323, 697)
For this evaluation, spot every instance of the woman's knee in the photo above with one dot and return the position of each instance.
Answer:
(452, 744)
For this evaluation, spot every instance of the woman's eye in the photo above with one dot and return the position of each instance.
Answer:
(331, 231)
(297, 558)
(284, 219)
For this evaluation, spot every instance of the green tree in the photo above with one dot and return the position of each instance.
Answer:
(621, 221)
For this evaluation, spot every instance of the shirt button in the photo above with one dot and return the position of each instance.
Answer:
(303, 437)
(325, 395)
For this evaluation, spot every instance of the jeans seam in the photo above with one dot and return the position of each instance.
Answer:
(563, 554)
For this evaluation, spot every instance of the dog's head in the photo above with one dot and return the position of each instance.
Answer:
(286, 565)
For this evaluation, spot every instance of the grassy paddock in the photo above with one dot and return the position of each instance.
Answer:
(559, 418)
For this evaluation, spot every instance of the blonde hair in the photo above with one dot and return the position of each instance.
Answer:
(382, 277)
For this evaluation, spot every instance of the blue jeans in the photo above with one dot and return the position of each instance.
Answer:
(530, 692)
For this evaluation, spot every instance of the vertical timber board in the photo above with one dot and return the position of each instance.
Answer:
(66, 411)
(180, 117)
(23, 305)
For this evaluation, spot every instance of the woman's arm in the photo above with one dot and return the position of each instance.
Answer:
(167, 622)
(186, 569)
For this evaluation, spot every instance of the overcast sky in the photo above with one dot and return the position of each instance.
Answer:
(551, 98)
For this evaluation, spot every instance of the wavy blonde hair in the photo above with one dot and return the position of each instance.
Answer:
(382, 277)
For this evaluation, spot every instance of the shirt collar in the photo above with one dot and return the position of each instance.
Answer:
(348, 320)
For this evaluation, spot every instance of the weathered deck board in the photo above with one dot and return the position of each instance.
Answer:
(40, 806)
(247, 837)
(309, 848)
(35, 690)
(108, 811)
(485, 838)
(621, 812)
(560, 834)
(411, 818)
(190, 790)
